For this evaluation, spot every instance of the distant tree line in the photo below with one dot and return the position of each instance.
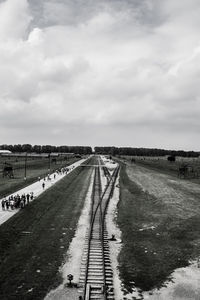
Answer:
(143, 152)
(98, 150)
(47, 148)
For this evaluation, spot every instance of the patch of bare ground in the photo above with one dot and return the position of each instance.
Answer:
(159, 216)
(179, 196)
(113, 229)
(72, 264)
(115, 246)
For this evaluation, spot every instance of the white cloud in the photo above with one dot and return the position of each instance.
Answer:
(133, 69)
(14, 19)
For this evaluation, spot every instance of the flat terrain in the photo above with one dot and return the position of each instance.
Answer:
(162, 165)
(34, 242)
(159, 216)
(35, 167)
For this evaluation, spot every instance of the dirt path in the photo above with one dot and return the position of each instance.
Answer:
(181, 195)
(35, 241)
(72, 265)
(37, 190)
(178, 220)
(75, 251)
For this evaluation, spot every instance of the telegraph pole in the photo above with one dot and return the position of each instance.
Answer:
(25, 166)
(49, 162)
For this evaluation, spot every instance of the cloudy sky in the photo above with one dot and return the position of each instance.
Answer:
(100, 72)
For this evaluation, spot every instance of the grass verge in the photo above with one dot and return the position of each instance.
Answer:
(10, 185)
(156, 241)
(33, 243)
(170, 168)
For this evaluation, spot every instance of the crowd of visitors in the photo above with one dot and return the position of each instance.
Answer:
(16, 201)
(63, 171)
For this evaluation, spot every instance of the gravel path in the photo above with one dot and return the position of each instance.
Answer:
(181, 195)
(72, 265)
(74, 254)
(37, 190)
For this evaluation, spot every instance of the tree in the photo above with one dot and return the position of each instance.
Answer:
(26, 148)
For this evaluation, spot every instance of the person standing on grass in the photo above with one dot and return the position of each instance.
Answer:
(43, 185)
(31, 196)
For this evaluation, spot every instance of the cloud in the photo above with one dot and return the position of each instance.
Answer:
(14, 19)
(118, 67)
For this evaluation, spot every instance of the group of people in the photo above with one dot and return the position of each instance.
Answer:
(61, 171)
(16, 201)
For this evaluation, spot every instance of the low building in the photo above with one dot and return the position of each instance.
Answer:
(5, 152)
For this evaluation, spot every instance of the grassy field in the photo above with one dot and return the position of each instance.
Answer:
(158, 237)
(161, 164)
(38, 166)
(33, 243)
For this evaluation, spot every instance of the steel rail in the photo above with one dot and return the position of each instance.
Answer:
(110, 184)
(90, 234)
(114, 175)
(92, 219)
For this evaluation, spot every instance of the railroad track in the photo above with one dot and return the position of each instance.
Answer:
(96, 272)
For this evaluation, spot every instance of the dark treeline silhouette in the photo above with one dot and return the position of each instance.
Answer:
(47, 149)
(98, 150)
(143, 152)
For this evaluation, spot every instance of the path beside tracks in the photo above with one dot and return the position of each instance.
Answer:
(37, 189)
(96, 272)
